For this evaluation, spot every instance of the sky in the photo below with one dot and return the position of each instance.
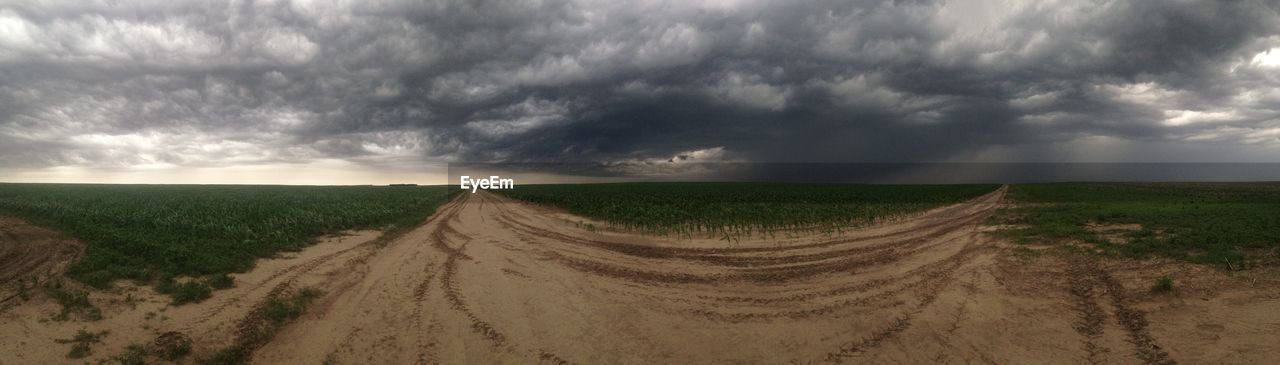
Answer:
(355, 92)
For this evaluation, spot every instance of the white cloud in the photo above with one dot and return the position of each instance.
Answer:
(1142, 93)
(686, 164)
(750, 91)
(1048, 118)
(289, 47)
(755, 35)
(98, 38)
(1034, 101)
(553, 71)
(676, 45)
(1268, 58)
(15, 35)
(863, 91)
(520, 118)
(1184, 117)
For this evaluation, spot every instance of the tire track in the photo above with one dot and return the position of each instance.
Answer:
(1091, 318)
(899, 324)
(425, 353)
(913, 224)
(249, 329)
(448, 282)
(768, 270)
(533, 289)
(289, 275)
(1088, 283)
(781, 269)
(740, 256)
(1134, 322)
(927, 282)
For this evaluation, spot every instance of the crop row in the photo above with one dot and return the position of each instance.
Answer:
(684, 208)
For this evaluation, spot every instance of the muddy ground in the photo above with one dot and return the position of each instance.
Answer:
(490, 280)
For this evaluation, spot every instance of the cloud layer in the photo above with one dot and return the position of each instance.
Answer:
(202, 84)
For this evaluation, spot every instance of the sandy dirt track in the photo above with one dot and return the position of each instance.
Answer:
(491, 280)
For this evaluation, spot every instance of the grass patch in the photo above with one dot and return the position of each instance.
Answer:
(82, 343)
(172, 346)
(169, 346)
(258, 329)
(220, 281)
(742, 207)
(73, 302)
(182, 293)
(1215, 223)
(134, 354)
(281, 311)
(1024, 253)
(24, 291)
(1163, 285)
(143, 232)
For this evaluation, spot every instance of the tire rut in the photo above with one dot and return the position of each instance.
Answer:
(481, 245)
(1088, 283)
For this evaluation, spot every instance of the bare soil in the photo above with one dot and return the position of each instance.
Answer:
(29, 256)
(134, 314)
(491, 280)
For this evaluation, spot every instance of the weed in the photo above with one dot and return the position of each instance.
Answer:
(134, 354)
(220, 281)
(131, 300)
(23, 291)
(172, 346)
(187, 292)
(72, 302)
(225, 356)
(1163, 285)
(280, 311)
(258, 330)
(82, 343)
(1024, 253)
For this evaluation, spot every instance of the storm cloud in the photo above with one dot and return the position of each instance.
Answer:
(201, 84)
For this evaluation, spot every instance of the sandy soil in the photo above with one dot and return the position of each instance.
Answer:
(496, 281)
(138, 315)
(490, 280)
(29, 256)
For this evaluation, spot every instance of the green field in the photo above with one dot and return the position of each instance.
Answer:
(742, 207)
(1218, 223)
(153, 233)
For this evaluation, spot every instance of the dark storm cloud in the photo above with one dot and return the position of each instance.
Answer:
(226, 83)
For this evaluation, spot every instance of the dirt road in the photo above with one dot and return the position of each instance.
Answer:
(490, 280)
